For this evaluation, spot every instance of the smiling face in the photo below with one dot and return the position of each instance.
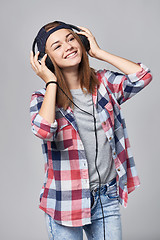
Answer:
(64, 48)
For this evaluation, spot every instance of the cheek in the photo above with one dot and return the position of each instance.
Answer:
(56, 56)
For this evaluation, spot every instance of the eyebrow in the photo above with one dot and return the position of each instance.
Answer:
(59, 41)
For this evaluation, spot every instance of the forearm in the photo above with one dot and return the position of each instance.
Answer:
(47, 110)
(124, 65)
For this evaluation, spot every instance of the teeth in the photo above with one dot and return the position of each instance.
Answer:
(70, 55)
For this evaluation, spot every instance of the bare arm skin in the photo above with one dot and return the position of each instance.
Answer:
(124, 65)
(47, 110)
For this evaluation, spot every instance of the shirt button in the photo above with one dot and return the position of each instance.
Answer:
(119, 169)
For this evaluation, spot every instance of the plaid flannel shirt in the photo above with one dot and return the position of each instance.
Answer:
(65, 194)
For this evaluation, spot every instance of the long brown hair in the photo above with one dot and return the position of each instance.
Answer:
(87, 74)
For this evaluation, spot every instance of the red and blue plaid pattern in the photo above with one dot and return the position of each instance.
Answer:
(65, 194)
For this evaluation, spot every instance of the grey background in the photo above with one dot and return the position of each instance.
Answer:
(126, 28)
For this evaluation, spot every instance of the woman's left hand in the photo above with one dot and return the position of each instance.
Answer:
(94, 48)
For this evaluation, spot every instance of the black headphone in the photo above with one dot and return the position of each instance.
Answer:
(42, 37)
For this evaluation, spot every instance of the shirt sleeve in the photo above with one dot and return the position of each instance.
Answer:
(40, 127)
(125, 86)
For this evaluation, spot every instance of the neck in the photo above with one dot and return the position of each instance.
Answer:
(72, 77)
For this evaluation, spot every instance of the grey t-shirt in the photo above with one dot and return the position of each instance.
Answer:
(85, 124)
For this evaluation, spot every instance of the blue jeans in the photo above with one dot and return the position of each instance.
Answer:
(113, 231)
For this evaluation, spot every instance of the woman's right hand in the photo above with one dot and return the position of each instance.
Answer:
(41, 69)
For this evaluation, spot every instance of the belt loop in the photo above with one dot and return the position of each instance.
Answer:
(106, 187)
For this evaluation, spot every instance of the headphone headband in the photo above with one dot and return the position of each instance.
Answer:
(42, 35)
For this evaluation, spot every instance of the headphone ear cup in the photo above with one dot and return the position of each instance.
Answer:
(40, 56)
(85, 41)
(48, 62)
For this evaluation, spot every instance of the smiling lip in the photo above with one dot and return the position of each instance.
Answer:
(72, 56)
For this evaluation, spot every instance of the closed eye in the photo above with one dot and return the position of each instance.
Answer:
(71, 39)
(57, 47)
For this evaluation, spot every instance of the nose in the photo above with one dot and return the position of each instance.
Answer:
(67, 46)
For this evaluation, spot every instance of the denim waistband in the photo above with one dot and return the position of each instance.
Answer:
(103, 188)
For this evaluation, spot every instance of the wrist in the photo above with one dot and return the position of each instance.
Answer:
(99, 54)
(50, 79)
(96, 52)
(51, 83)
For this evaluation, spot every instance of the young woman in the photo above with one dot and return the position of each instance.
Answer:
(89, 168)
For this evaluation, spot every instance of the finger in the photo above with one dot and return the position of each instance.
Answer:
(85, 34)
(34, 68)
(35, 59)
(36, 56)
(31, 57)
(44, 59)
(85, 29)
(32, 61)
